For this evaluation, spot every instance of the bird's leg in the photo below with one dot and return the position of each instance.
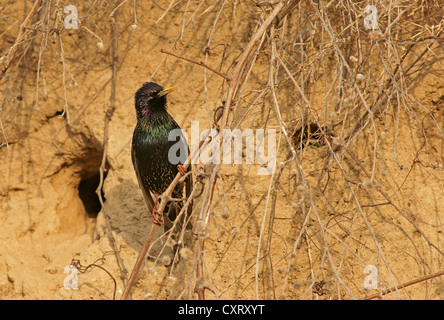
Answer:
(182, 171)
(156, 215)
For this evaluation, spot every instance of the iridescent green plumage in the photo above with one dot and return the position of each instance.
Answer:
(150, 147)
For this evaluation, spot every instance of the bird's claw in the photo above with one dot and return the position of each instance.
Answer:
(157, 218)
(181, 169)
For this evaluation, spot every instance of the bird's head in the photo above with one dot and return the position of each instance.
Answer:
(151, 98)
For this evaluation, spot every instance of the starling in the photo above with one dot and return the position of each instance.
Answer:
(149, 153)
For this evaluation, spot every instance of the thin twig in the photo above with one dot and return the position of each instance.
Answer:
(404, 285)
(108, 115)
(139, 262)
(201, 63)
(203, 217)
(22, 29)
(62, 56)
(285, 11)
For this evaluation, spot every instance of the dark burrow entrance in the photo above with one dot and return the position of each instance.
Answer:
(87, 193)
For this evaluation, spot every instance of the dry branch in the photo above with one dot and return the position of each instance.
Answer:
(22, 29)
(404, 285)
(200, 63)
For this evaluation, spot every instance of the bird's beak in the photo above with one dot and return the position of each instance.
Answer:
(166, 91)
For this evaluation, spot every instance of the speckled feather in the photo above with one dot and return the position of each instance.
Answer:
(150, 148)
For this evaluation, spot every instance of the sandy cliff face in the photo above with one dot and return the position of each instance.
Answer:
(377, 201)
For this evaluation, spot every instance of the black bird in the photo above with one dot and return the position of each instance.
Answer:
(149, 153)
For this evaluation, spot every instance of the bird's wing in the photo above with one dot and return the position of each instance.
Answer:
(146, 192)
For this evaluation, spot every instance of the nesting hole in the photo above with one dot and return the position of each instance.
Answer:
(87, 193)
(89, 173)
